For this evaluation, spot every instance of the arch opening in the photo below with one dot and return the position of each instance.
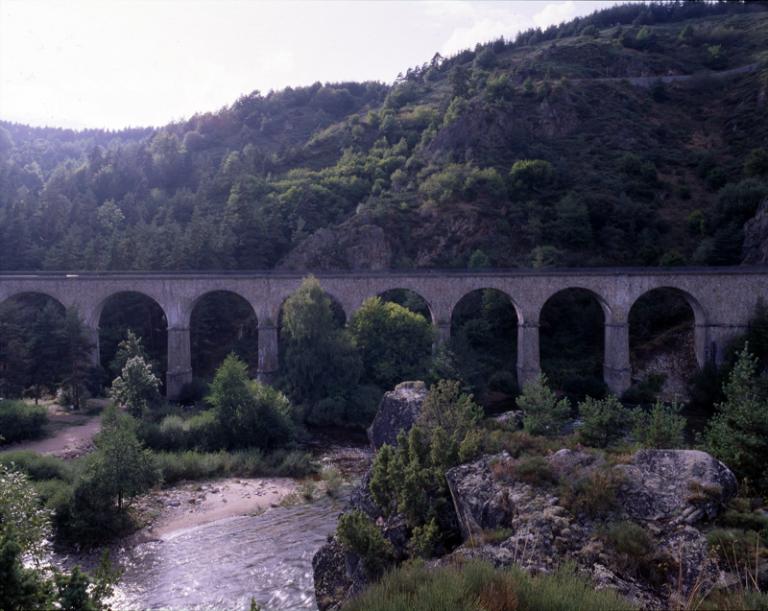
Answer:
(31, 349)
(131, 310)
(408, 299)
(572, 342)
(484, 342)
(662, 343)
(222, 322)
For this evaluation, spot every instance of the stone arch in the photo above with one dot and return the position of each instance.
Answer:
(572, 332)
(484, 329)
(699, 317)
(515, 304)
(398, 295)
(232, 320)
(23, 293)
(144, 311)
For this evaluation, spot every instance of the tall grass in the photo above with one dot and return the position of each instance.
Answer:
(193, 465)
(477, 585)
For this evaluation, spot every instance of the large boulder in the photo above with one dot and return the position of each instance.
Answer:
(398, 411)
(675, 486)
(666, 492)
(330, 575)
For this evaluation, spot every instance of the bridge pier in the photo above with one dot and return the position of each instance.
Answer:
(528, 358)
(269, 353)
(617, 370)
(442, 335)
(179, 361)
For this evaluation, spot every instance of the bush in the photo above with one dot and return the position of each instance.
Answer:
(544, 413)
(38, 467)
(738, 433)
(20, 421)
(358, 534)
(534, 470)
(662, 427)
(250, 414)
(137, 387)
(633, 547)
(193, 465)
(645, 390)
(193, 392)
(394, 342)
(593, 494)
(605, 421)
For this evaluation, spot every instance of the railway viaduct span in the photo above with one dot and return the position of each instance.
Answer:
(722, 301)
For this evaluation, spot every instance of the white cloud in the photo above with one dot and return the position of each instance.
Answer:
(555, 13)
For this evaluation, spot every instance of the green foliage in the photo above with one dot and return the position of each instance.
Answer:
(193, 465)
(249, 413)
(605, 421)
(425, 540)
(738, 433)
(395, 344)
(530, 175)
(22, 520)
(129, 347)
(358, 534)
(119, 470)
(320, 359)
(19, 420)
(633, 548)
(477, 585)
(137, 387)
(593, 494)
(661, 427)
(544, 413)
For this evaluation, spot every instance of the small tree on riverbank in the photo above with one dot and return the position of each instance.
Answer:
(137, 387)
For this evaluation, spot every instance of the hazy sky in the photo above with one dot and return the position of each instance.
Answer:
(119, 63)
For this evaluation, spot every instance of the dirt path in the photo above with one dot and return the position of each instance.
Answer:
(71, 436)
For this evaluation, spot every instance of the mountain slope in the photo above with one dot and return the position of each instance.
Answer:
(561, 148)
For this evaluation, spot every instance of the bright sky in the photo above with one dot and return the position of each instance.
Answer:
(120, 63)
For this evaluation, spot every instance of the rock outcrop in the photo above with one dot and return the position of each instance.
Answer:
(352, 246)
(664, 492)
(339, 575)
(397, 412)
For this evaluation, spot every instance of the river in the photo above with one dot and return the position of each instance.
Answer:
(224, 564)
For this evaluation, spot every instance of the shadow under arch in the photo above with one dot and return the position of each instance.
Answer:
(669, 319)
(30, 359)
(484, 329)
(572, 341)
(143, 315)
(221, 322)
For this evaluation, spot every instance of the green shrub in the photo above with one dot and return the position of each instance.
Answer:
(632, 545)
(38, 467)
(394, 342)
(534, 470)
(250, 414)
(478, 585)
(544, 413)
(20, 421)
(738, 433)
(662, 427)
(604, 421)
(644, 391)
(593, 495)
(425, 540)
(358, 534)
(193, 392)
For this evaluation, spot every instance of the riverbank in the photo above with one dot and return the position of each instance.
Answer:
(170, 511)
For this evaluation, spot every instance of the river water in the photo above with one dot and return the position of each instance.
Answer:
(224, 564)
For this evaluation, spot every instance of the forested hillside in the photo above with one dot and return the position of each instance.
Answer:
(545, 150)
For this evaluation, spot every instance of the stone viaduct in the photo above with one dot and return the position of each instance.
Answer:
(722, 300)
